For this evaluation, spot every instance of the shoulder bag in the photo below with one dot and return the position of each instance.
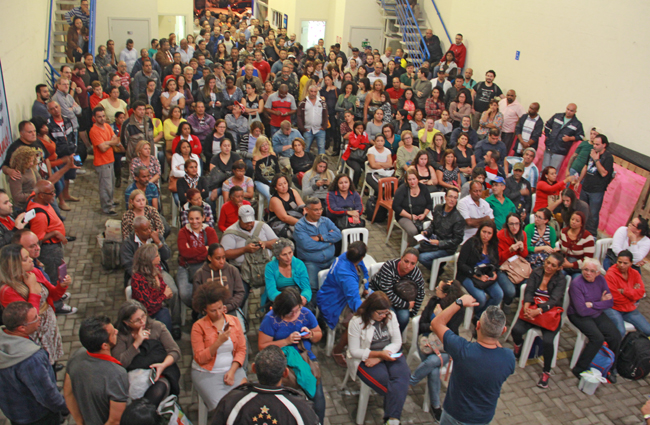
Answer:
(517, 269)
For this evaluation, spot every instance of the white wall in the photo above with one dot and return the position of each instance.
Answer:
(177, 8)
(590, 52)
(22, 54)
(134, 9)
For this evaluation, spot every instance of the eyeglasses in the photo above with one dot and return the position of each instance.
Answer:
(142, 319)
(38, 319)
(381, 313)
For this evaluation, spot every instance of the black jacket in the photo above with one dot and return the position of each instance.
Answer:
(66, 141)
(556, 289)
(274, 402)
(513, 193)
(433, 46)
(448, 230)
(534, 136)
(5, 235)
(182, 187)
(469, 257)
(555, 130)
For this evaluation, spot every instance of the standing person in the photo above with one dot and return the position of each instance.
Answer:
(389, 279)
(512, 111)
(422, 89)
(96, 386)
(480, 368)
(313, 119)
(104, 139)
(528, 130)
(561, 131)
(501, 206)
(519, 191)
(64, 134)
(375, 338)
(596, 176)
(28, 393)
(482, 94)
(590, 298)
(280, 106)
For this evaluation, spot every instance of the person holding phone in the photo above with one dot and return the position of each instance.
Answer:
(316, 180)
(282, 327)
(373, 338)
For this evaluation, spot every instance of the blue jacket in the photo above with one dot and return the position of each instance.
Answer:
(555, 130)
(298, 274)
(336, 205)
(313, 251)
(279, 140)
(341, 288)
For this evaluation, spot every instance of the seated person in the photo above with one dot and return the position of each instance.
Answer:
(343, 201)
(218, 344)
(373, 336)
(285, 205)
(448, 174)
(283, 141)
(193, 242)
(388, 279)
(150, 190)
(282, 327)
(478, 263)
(300, 161)
(445, 231)
(548, 186)
(634, 238)
(317, 179)
(237, 246)
(184, 133)
(194, 199)
(541, 238)
(412, 204)
(149, 288)
(266, 165)
(338, 297)
(285, 270)
(223, 161)
(590, 298)
(145, 158)
(501, 206)
(240, 179)
(571, 203)
(380, 163)
(426, 173)
(357, 140)
(216, 270)
(138, 207)
(191, 180)
(182, 154)
(228, 215)
(512, 242)
(446, 294)
(576, 244)
(315, 238)
(134, 330)
(627, 289)
(142, 234)
(479, 175)
(545, 289)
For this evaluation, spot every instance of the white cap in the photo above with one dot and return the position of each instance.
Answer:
(246, 214)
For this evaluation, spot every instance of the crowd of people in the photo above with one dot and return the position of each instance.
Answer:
(224, 121)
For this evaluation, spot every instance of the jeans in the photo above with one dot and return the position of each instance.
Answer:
(164, 317)
(312, 270)
(522, 327)
(184, 281)
(320, 140)
(173, 303)
(426, 258)
(634, 317)
(52, 257)
(390, 380)
(403, 315)
(595, 201)
(319, 402)
(447, 419)
(264, 189)
(597, 330)
(553, 159)
(494, 291)
(507, 287)
(430, 367)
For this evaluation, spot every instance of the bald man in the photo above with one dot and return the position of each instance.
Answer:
(561, 131)
(512, 111)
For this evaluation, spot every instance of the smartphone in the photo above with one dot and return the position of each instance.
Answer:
(152, 376)
(29, 215)
(226, 327)
(396, 355)
(63, 271)
(77, 161)
(304, 333)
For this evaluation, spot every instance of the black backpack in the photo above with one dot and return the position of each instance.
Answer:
(634, 356)
(382, 214)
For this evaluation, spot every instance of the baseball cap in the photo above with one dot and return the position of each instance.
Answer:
(355, 49)
(519, 166)
(246, 214)
(291, 56)
(497, 179)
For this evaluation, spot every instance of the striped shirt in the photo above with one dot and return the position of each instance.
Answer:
(388, 276)
(77, 12)
(576, 251)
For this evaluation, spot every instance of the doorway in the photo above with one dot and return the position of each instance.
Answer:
(122, 29)
(311, 32)
(168, 24)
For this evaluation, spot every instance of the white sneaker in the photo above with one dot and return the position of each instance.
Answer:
(81, 171)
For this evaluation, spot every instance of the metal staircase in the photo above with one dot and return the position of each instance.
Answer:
(56, 55)
(402, 23)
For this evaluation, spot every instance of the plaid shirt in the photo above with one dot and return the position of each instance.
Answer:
(207, 211)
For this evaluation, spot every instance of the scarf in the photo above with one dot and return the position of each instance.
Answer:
(192, 182)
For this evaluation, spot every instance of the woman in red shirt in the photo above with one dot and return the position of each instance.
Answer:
(512, 242)
(549, 186)
(358, 139)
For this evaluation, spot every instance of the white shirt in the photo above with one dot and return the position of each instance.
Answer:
(234, 241)
(186, 56)
(621, 242)
(313, 115)
(129, 56)
(468, 209)
(373, 77)
(381, 157)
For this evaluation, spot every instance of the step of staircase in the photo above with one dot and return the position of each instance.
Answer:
(74, 3)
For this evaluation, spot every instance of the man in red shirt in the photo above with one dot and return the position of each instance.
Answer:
(460, 52)
(395, 92)
(103, 139)
(262, 66)
(229, 213)
(125, 77)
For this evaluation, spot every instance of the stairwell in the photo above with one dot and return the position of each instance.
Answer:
(402, 23)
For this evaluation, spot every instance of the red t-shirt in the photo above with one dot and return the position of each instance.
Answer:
(229, 215)
(264, 68)
(98, 136)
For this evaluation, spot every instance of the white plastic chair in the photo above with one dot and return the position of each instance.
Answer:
(331, 333)
(348, 170)
(435, 269)
(128, 293)
(581, 339)
(367, 170)
(602, 245)
(374, 269)
(175, 218)
(220, 203)
(437, 198)
(260, 206)
(354, 235)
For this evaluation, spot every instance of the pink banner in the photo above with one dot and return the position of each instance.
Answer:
(620, 199)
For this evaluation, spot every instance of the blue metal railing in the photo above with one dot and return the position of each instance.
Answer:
(411, 34)
(441, 21)
(91, 30)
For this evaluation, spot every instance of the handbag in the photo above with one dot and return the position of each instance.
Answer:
(483, 270)
(406, 290)
(345, 223)
(172, 184)
(290, 380)
(549, 320)
(517, 269)
(171, 412)
(429, 343)
(359, 155)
